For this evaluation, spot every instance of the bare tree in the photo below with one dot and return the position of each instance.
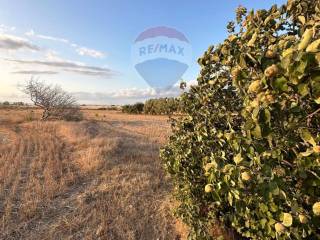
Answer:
(55, 102)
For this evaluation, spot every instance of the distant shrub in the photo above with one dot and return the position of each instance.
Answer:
(53, 100)
(136, 108)
(71, 114)
(18, 103)
(161, 106)
(113, 107)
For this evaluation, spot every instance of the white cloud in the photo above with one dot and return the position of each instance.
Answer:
(53, 38)
(69, 66)
(34, 72)
(31, 33)
(83, 51)
(10, 42)
(5, 28)
(52, 55)
(130, 94)
(91, 73)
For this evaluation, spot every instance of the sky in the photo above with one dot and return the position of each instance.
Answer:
(86, 46)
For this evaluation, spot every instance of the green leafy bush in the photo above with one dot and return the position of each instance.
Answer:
(136, 108)
(247, 152)
(157, 106)
(161, 106)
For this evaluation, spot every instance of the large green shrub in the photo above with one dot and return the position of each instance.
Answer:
(136, 108)
(247, 152)
(160, 106)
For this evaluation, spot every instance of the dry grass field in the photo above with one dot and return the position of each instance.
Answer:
(100, 178)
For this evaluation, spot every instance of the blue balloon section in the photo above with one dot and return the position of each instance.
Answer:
(161, 55)
(161, 73)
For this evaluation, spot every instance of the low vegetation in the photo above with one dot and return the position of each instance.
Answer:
(161, 106)
(246, 153)
(7, 104)
(136, 108)
(157, 106)
(55, 102)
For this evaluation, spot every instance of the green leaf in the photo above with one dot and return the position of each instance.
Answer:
(273, 207)
(315, 85)
(267, 115)
(303, 89)
(281, 84)
(307, 137)
(307, 153)
(302, 19)
(263, 207)
(301, 67)
(236, 194)
(263, 222)
(238, 158)
(287, 219)
(230, 198)
(274, 189)
(256, 132)
(242, 62)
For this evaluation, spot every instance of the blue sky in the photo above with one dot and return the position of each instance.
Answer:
(101, 34)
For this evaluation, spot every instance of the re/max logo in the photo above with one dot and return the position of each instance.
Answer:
(161, 48)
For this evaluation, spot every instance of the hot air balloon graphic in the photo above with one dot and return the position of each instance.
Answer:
(161, 55)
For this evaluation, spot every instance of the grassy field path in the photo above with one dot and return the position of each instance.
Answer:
(96, 179)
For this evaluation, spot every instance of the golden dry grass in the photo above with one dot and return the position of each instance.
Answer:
(100, 178)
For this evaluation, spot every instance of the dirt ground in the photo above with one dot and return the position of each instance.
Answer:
(100, 178)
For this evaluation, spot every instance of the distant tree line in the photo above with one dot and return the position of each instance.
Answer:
(7, 103)
(136, 108)
(159, 106)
